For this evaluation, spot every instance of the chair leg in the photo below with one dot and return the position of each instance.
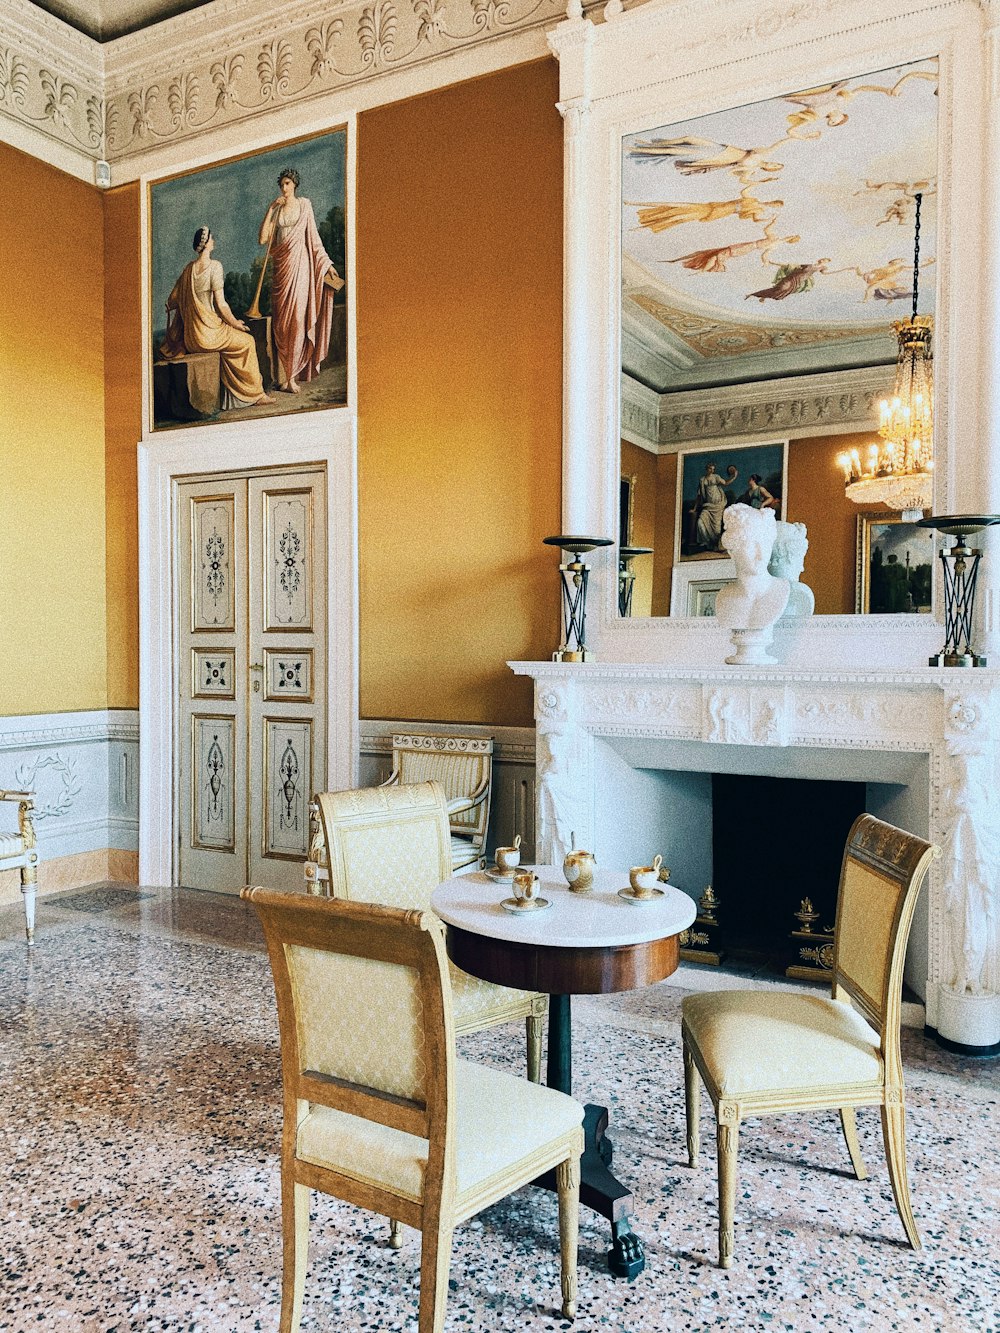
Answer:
(295, 1235)
(29, 887)
(728, 1134)
(692, 1105)
(849, 1124)
(533, 1025)
(894, 1134)
(568, 1187)
(435, 1257)
(395, 1234)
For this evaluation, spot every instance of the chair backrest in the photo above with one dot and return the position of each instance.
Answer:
(462, 764)
(880, 879)
(387, 845)
(364, 1014)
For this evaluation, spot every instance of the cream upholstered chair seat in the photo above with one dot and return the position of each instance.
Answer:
(495, 1115)
(752, 1041)
(391, 845)
(760, 1053)
(377, 1110)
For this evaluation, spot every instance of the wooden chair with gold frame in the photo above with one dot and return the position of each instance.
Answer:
(392, 845)
(378, 1111)
(769, 1052)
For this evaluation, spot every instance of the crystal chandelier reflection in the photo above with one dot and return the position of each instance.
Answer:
(897, 469)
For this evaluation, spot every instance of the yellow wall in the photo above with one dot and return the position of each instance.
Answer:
(52, 537)
(459, 263)
(459, 391)
(123, 407)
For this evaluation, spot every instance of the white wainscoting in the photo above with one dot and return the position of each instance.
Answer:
(513, 771)
(84, 770)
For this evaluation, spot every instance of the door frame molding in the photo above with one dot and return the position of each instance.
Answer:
(309, 438)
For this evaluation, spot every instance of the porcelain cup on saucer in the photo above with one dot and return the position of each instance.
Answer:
(644, 878)
(509, 858)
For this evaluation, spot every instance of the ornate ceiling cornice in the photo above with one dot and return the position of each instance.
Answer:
(220, 65)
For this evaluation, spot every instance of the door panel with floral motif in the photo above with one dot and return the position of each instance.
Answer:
(251, 670)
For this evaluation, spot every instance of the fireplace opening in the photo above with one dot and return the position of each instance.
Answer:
(776, 843)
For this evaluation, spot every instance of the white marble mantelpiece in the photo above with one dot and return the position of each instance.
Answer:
(928, 737)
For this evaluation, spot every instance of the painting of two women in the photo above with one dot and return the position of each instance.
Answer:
(248, 295)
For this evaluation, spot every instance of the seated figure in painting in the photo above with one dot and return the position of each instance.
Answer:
(200, 320)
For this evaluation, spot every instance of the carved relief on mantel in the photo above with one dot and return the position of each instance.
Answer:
(969, 821)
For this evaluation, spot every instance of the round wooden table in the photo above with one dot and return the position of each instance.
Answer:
(584, 944)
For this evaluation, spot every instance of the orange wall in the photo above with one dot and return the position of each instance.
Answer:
(640, 464)
(52, 534)
(815, 497)
(123, 409)
(459, 390)
(459, 286)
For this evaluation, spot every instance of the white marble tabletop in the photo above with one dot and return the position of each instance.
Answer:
(598, 918)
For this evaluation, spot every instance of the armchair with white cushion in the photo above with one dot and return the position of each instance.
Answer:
(377, 1109)
(770, 1052)
(18, 851)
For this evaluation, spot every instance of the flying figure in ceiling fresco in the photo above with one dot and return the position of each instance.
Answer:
(658, 217)
(825, 209)
(791, 280)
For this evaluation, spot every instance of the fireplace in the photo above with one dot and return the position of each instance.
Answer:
(626, 753)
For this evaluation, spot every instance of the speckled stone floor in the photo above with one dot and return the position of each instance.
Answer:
(139, 1128)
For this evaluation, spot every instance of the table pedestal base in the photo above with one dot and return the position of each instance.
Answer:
(599, 1189)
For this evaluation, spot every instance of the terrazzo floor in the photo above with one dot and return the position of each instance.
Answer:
(140, 1121)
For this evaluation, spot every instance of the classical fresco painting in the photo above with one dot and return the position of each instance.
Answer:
(247, 285)
(713, 479)
(895, 565)
(777, 238)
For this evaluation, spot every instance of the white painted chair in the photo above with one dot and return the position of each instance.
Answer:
(17, 852)
(378, 1111)
(769, 1052)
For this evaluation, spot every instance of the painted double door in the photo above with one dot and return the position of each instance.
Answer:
(251, 671)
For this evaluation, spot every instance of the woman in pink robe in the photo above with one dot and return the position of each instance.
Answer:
(303, 284)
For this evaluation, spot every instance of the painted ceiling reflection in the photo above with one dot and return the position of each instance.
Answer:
(777, 238)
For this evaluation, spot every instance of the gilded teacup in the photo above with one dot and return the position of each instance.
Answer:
(578, 868)
(509, 858)
(526, 886)
(644, 878)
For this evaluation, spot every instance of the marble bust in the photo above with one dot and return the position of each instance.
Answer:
(750, 605)
(787, 559)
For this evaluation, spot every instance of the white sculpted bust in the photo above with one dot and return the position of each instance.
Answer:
(750, 606)
(787, 559)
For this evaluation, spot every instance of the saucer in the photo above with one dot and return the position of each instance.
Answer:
(499, 876)
(631, 897)
(516, 908)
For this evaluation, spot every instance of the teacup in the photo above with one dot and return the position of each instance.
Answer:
(578, 868)
(509, 858)
(526, 886)
(644, 878)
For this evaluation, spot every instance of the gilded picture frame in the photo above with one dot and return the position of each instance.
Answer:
(895, 566)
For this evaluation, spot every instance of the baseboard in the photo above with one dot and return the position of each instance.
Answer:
(74, 872)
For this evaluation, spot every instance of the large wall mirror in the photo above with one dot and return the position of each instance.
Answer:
(766, 252)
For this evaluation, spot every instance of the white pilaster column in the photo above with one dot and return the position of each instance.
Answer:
(980, 491)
